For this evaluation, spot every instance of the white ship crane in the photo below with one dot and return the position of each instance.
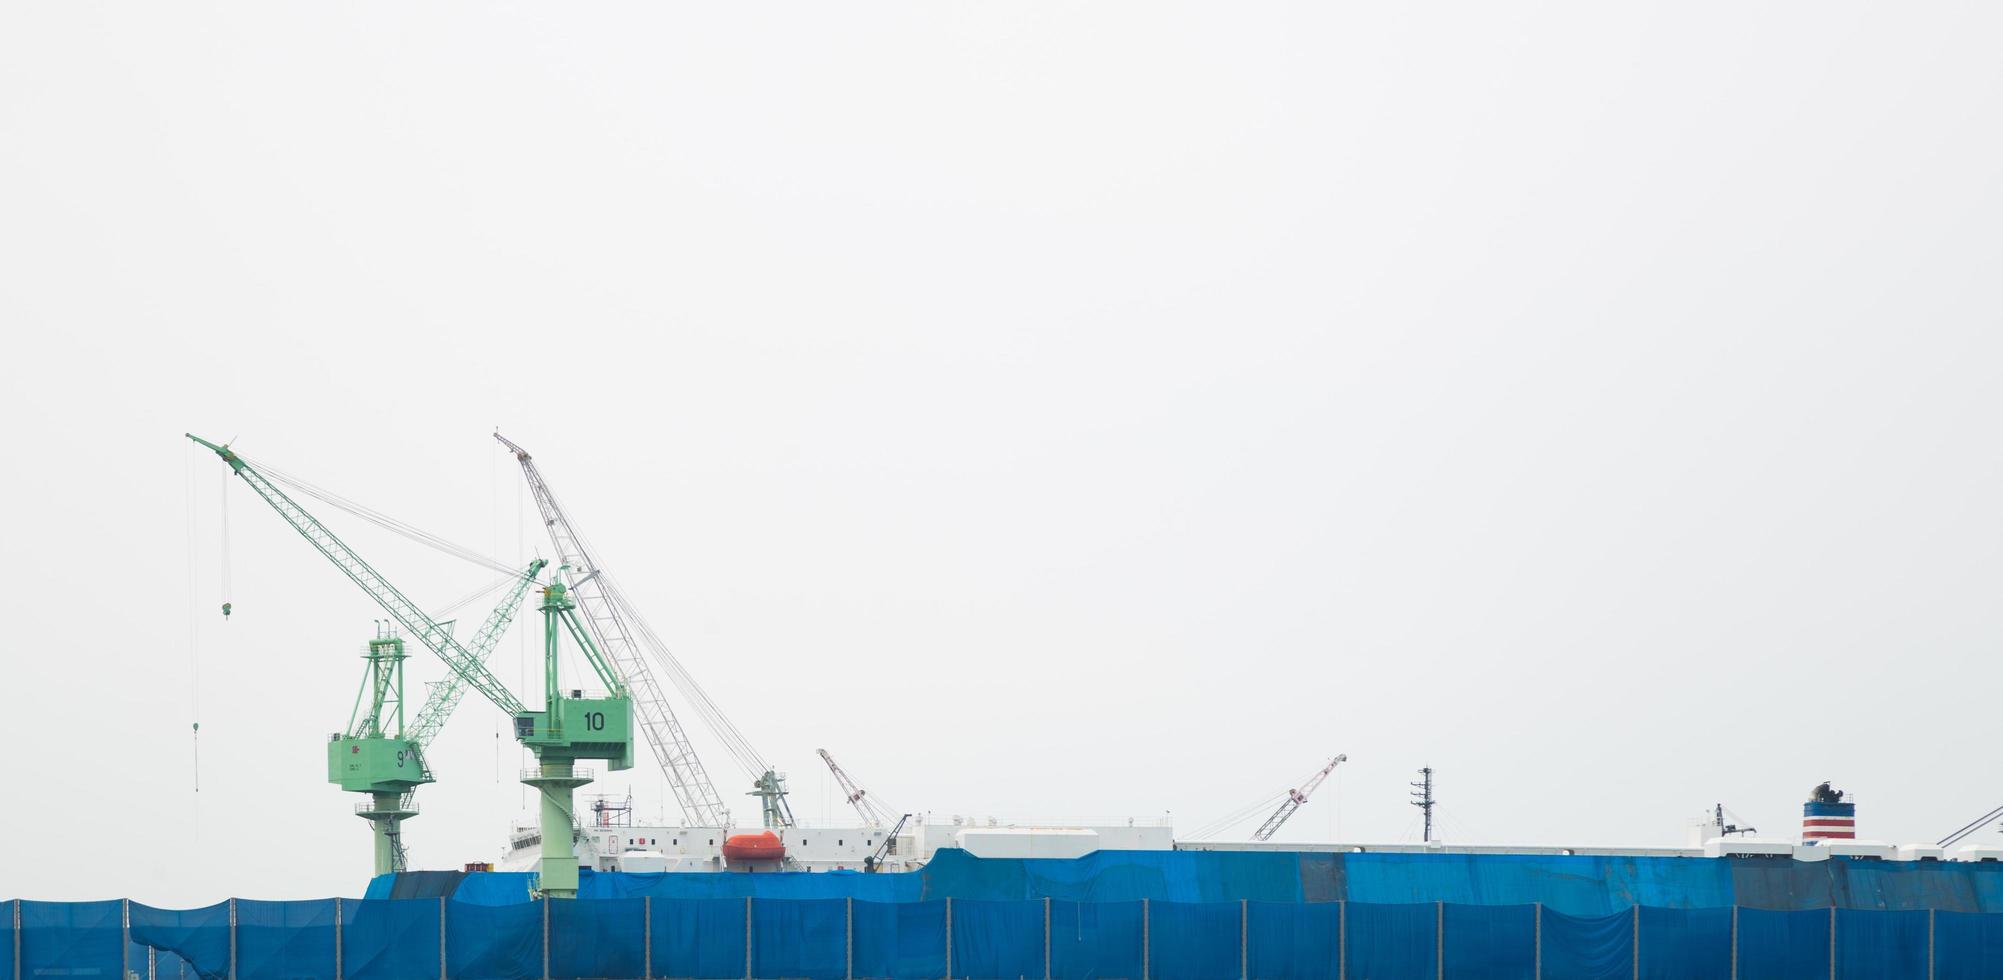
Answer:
(1295, 797)
(873, 813)
(630, 643)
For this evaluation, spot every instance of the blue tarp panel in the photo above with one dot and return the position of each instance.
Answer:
(284, 940)
(65, 938)
(1484, 941)
(1293, 942)
(198, 937)
(1599, 947)
(1784, 945)
(1880, 944)
(1585, 885)
(1193, 940)
(807, 938)
(906, 939)
(394, 939)
(1967, 945)
(1686, 944)
(598, 938)
(1392, 940)
(494, 888)
(997, 939)
(1092, 941)
(700, 938)
(493, 942)
(1573, 884)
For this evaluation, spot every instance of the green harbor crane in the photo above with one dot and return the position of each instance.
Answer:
(377, 754)
(568, 729)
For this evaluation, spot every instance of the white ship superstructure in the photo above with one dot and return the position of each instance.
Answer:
(608, 844)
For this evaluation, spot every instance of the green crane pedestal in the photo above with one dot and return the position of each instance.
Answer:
(556, 782)
(386, 813)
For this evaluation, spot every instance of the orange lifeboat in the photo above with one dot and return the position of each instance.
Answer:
(762, 846)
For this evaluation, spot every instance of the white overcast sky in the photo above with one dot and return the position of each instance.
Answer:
(1050, 409)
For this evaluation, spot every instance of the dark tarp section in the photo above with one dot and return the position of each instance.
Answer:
(425, 884)
(604, 937)
(496, 942)
(1095, 941)
(995, 939)
(1597, 947)
(1686, 944)
(199, 938)
(1490, 941)
(1967, 946)
(393, 939)
(1193, 940)
(1392, 940)
(1288, 941)
(1784, 945)
(1322, 878)
(800, 939)
(701, 938)
(284, 940)
(906, 940)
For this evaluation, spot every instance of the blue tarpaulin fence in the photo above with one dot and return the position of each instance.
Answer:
(1581, 885)
(842, 938)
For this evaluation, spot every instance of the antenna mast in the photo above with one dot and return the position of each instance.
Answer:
(1425, 799)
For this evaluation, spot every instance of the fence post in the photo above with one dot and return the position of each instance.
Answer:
(441, 937)
(1634, 946)
(125, 932)
(1244, 921)
(1046, 937)
(1832, 940)
(1929, 943)
(17, 937)
(1440, 940)
(647, 936)
(1735, 942)
(545, 936)
(1342, 939)
(1537, 941)
(848, 961)
(152, 963)
(747, 938)
(337, 939)
(949, 937)
(1145, 943)
(232, 939)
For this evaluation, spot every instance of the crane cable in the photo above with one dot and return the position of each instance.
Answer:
(380, 519)
(1225, 822)
(225, 576)
(194, 627)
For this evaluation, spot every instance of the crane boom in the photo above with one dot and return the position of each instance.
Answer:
(1295, 797)
(445, 695)
(871, 811)
(605, 618)
(435, 636)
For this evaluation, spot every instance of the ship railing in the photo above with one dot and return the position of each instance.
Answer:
(406, 805)
(576, 772)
